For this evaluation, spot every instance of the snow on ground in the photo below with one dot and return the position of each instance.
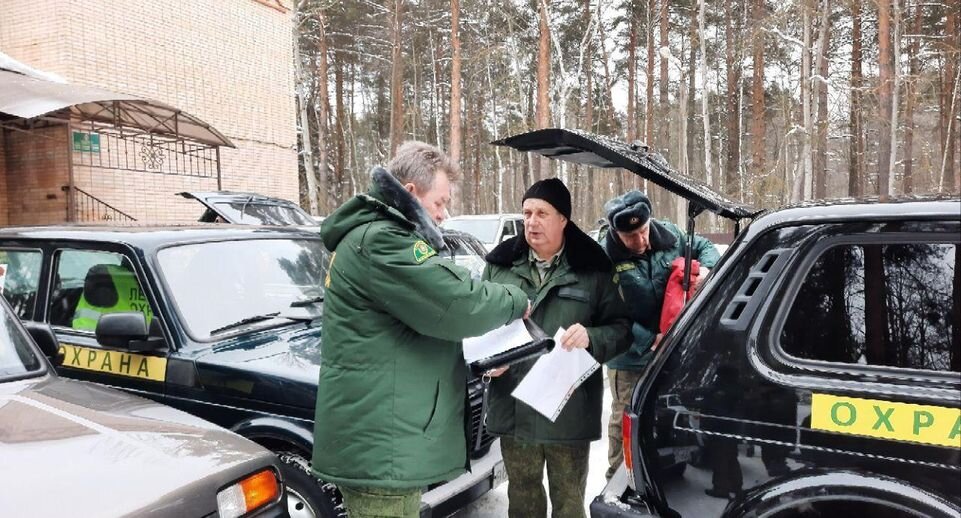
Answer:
(494, 503)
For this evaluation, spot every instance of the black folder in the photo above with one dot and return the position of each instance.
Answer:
(541, 344)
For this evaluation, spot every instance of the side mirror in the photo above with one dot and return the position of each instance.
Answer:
(126, 330)
(44, 336)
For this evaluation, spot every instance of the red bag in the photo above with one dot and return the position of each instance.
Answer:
(674, 292)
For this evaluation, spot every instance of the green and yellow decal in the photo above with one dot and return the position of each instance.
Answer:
(924, 424)
(422, 252)
(623, 267)
(114, 362)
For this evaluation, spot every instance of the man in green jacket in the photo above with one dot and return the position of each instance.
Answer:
(642, 249)
(392, 390)
(569, 279)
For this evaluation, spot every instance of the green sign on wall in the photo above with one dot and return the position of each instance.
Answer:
(86, 142)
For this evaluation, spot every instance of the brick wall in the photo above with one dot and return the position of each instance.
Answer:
(4, 204)
(227, 62)
(37, 168)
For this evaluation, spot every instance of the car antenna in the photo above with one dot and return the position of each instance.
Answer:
(243, 208)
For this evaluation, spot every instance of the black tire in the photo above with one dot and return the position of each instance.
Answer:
(307, 496)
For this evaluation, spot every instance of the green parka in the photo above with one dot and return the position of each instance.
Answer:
(392, 388)
(579, 290)
(642, 281)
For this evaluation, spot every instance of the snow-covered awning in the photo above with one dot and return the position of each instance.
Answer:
(35, 95)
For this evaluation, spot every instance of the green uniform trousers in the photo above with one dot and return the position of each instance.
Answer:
(378, 502)
(566, 476)
(622, 385)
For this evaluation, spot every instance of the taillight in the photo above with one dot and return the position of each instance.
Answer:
(249, 494)
(627, 428)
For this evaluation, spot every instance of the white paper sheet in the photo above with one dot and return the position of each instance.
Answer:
(554, 377)
(497, 341)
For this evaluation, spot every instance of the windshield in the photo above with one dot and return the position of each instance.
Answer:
(257, 213)
(483, 229)
(16, 355)
(216, 285)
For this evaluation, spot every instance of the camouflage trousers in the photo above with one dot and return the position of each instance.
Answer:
(379, 502)
(622, 384)
(566, 476)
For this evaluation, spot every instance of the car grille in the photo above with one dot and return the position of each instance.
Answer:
(477, 428)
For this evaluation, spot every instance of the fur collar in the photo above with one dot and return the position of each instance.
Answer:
(386, 188)
(661, 239)
(583, 253)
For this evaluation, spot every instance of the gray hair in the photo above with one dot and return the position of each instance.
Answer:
(418, 163)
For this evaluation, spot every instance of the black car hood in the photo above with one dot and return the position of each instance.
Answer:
(277, 366)
(581, 147)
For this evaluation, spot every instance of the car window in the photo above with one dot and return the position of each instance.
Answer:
(20, 279)
(89, 284)
(483, 229)
(879, 304)
(218, 286)
(508, 230)
(17, 357)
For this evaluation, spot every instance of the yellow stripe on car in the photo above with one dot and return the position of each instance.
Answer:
(925, 424)
(114, 362)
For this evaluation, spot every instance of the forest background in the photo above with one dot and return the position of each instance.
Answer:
(769, 102)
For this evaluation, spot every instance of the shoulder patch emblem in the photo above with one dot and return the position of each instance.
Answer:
(330, 267)
(623, 267)
(422, 252)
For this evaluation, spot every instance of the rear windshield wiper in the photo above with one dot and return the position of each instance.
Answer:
(306, 302)
(245, 321)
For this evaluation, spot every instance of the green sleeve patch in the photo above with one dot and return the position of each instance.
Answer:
(422, 252)
(623, 267)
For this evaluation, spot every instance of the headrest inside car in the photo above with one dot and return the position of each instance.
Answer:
(98, 287)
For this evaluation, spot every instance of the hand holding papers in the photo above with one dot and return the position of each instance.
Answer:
(519, 340)
(554, 377)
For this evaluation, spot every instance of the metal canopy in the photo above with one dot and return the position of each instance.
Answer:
(26, 97)
(585, 148)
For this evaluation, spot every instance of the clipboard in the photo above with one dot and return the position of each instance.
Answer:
(541, 344)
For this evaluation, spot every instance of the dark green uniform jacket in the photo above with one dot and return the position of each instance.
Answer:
(579, 290)
(642, 281)
(392, 389)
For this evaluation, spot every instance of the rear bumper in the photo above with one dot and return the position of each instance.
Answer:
(611, 503)
(487, 472)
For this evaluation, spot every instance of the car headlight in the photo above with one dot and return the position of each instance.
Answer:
(248, 494)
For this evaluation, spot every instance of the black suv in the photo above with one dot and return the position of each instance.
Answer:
(816, 373)
(225, 325)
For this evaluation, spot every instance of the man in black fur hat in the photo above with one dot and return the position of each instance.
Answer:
(569, 278)
(642, 249)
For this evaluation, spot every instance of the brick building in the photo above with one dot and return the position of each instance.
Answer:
(220, 73)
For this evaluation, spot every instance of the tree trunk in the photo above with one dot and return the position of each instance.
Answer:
(396, 79)
(454, 149)
(910, 100)
(821, 86)
(949, 97)
(665, 101)
(732, 58)
(705, 112)
(758, 129)
(341, 136)
(632, 73)
(885, 88)
(649, 112)
(856, 152)
(691, 91)
(801, 179)
(310, 173)
(589, 73)
(543, 114)
(323, 116)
